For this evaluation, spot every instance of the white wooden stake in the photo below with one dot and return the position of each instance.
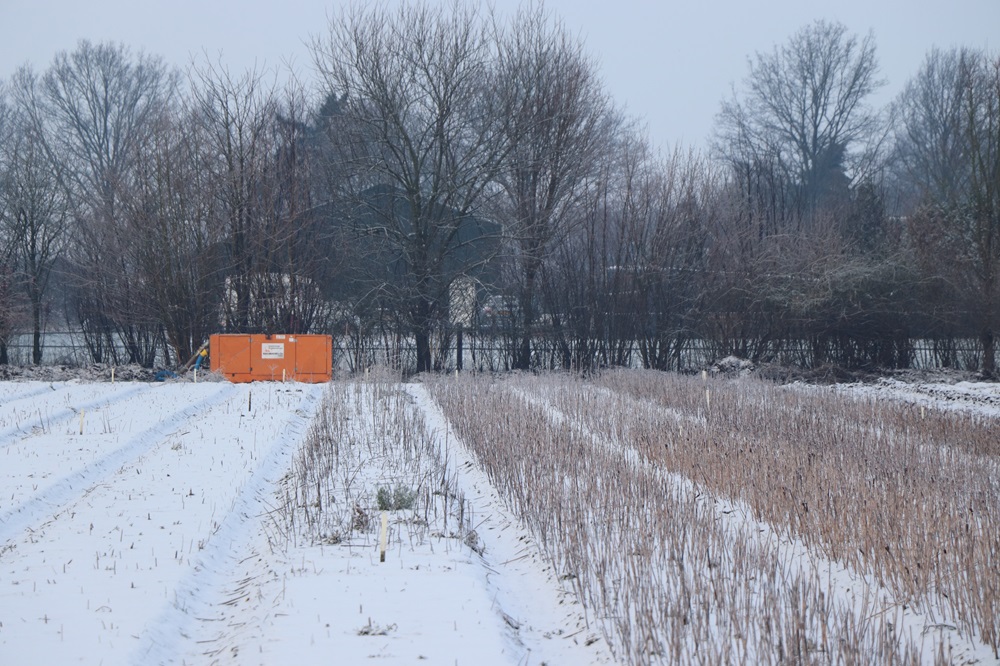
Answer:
(112, 375)
(382, 536)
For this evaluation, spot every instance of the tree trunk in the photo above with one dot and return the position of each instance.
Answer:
(989, 353)
(36, 336)
(523, 360)
(423, 340)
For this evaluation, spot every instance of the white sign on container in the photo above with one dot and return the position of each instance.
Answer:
(272, 350)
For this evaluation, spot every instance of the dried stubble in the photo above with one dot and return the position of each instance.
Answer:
(612, 476)
(911, 496)
(368, 437)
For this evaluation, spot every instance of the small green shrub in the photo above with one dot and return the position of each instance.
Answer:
(400, 497)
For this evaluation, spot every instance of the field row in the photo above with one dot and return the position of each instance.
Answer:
(124, 508)
(741, 522)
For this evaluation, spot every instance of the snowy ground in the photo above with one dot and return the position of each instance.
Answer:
(970, 396)
(138, 525)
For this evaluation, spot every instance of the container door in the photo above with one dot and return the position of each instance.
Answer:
(230, 356)
(313, 358)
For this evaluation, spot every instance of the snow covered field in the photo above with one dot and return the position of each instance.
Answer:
(217, 523)
(139, 523)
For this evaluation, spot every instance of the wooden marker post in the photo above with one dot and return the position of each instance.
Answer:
(382, 536)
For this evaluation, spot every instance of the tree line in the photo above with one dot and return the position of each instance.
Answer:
(452, 172)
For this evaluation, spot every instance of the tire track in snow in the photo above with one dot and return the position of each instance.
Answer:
(164, 639)
(47, 502)
(30, 393)
(12, 434)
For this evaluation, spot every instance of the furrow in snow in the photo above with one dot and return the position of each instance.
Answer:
(11, 434)
(48, 501)
(21, 392)
(93, 579)
(169, 636)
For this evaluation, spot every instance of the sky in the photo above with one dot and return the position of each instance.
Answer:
(669, 64)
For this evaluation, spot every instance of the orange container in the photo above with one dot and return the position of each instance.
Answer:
(249, 358)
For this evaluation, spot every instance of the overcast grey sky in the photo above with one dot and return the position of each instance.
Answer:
(669, 63)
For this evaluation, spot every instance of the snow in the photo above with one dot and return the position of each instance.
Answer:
(153, 537)
(979, 397)
(143, 523)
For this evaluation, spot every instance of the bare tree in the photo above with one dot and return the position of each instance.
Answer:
(962, 222)
(930, 141)
(36, 205)
(625, 278)
(175, 244)
(561, 123)
(8, 304)
(420, 129)
(678, 208)
(260, 148)
(982, 116)
(297, 248)
(949, 141)
(236, 113)
(799, 259)
(99, 102)
(8, 296)
(805, 106)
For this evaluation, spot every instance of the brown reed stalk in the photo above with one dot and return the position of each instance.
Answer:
(852, 479)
